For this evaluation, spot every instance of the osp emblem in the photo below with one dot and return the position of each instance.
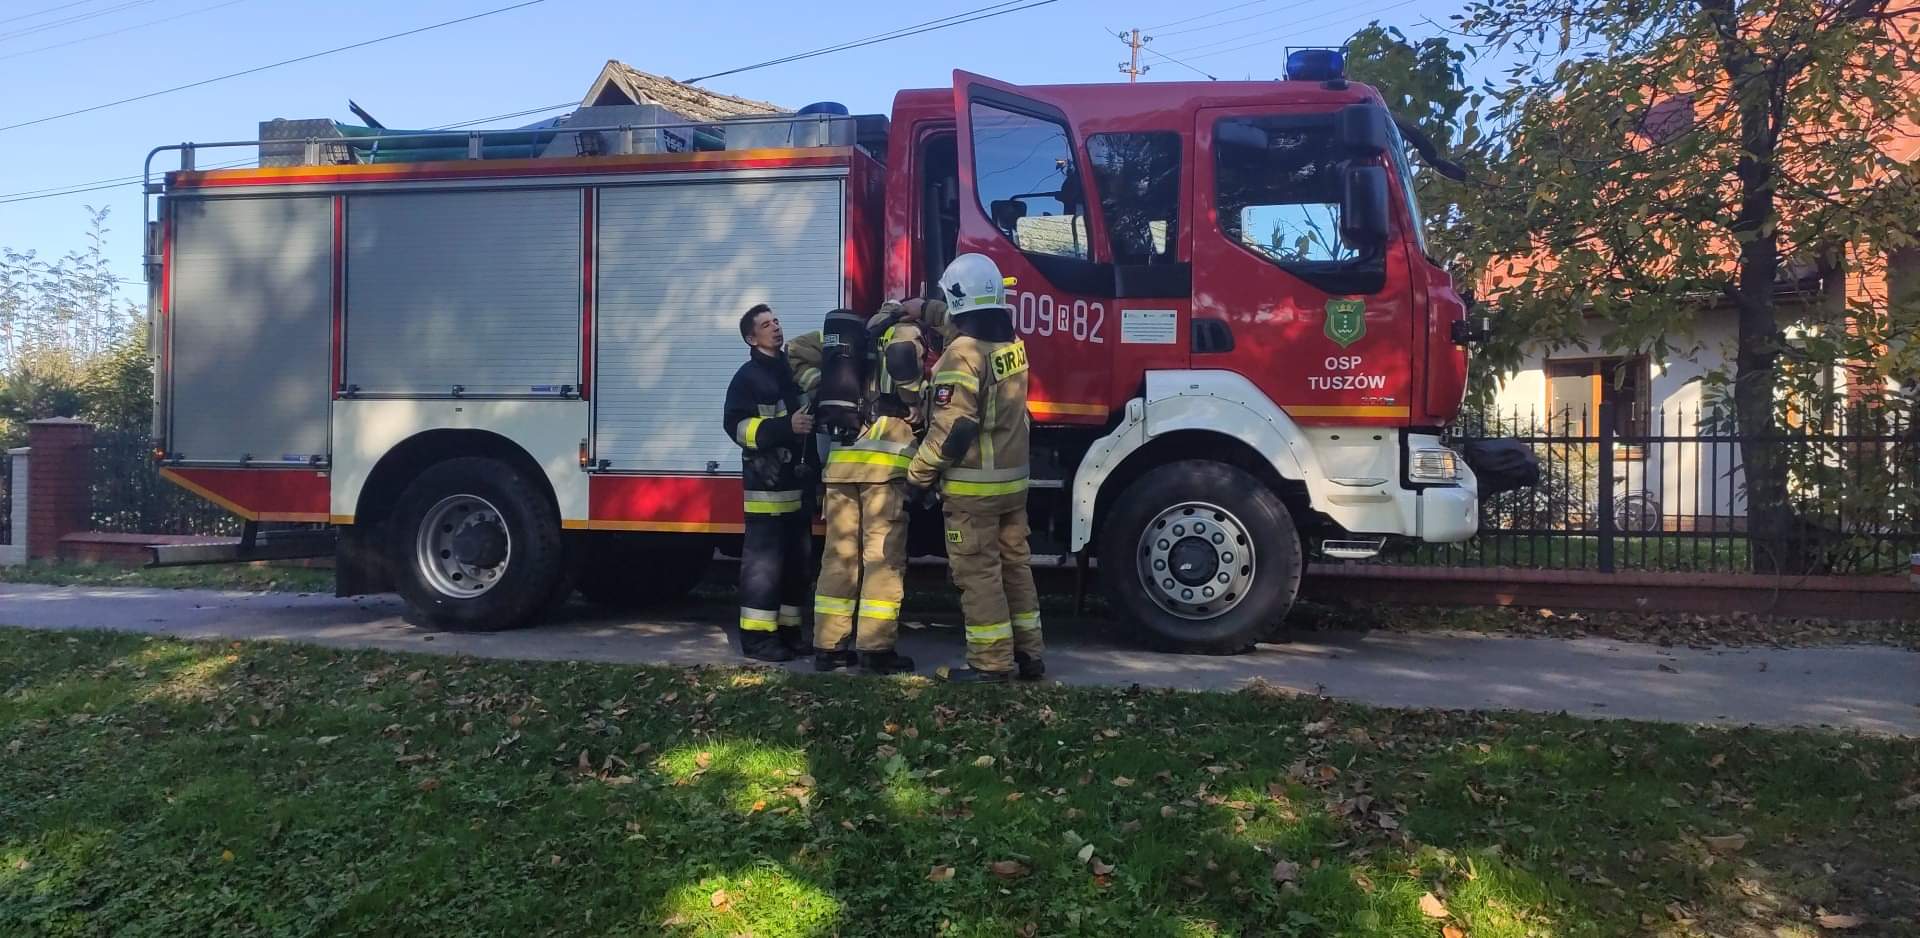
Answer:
(1346, 321)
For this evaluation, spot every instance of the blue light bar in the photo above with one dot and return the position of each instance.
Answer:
(1316, 64)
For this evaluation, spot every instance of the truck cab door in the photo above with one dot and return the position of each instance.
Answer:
(1026, 202)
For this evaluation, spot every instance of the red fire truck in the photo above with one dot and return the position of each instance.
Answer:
(493, 362)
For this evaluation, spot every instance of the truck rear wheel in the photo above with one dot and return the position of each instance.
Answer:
(477, 546)
(1201, 557)
(625, 575)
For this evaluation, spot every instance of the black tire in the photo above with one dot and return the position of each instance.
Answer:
(621, 574)
(530, 578)
(1251, 508)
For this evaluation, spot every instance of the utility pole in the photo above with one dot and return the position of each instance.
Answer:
(1132, 66)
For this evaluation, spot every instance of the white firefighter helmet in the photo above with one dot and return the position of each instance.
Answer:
(973, 282)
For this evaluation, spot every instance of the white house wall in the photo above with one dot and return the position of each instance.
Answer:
(1690, 480)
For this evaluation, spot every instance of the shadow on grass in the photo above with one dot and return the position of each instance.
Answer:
(162, 787)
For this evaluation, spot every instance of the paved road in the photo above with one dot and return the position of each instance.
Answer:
(1871, 689)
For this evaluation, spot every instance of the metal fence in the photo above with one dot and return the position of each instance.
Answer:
(129, 495)
(1666, 491)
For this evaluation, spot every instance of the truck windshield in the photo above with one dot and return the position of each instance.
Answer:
(1403, 168)
(1278, 183)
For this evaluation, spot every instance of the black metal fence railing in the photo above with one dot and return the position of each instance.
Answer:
(1666, 491)
(129, 495)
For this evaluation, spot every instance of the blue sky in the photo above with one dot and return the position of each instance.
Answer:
(542, 54)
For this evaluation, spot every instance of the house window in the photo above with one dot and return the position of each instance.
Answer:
(1577, 388)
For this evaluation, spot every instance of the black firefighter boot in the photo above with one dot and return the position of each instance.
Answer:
(886, 662)
(828, 659)
(1030, 667)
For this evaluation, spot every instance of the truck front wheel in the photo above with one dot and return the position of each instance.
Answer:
(1201, 557)
(476, 546)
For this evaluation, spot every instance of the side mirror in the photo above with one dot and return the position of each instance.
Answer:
(1363, 207)
(1365, 128)
(1007, 213)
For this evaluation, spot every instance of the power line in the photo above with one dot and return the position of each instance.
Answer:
(1349, 19)
(116, 32)
(1243, 19)
(1201, 16)
(1179, 63)
(262, 68)
(903, 32)
(887, 37)
(52, 9)
(1292, 27)
(77, 18)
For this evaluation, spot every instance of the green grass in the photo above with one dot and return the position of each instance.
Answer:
(151, 787)
(253, 577)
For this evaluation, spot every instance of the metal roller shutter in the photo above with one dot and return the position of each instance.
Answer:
(251, 328)
(473, 289)
(677, 266)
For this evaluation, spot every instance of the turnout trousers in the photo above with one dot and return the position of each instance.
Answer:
(988, 558)
(858, 597)
(773, 580)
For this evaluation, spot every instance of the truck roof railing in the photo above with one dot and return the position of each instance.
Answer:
(772, 130)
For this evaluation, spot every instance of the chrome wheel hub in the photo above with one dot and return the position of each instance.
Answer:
(462, 547)
(1196, 560)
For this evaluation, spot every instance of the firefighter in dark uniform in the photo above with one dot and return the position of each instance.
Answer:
(764, 415)
(976, 448)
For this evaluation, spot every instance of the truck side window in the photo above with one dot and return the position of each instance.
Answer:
(1138, 178)
(1278, 185)
(1026, 181)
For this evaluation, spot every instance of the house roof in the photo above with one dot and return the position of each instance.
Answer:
(620, 83)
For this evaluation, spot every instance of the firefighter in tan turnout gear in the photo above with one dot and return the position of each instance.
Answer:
(976, 448)
(857, 600)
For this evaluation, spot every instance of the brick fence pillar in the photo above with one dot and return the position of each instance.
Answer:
(60, 495)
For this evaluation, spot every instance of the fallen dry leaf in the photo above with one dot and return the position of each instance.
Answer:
(1099, 868)
(1008, 869)
(703, 760)
(429, 784)
(1286, 871)
(326, 740)
(1431, 906)
(984, 762)
(940, 874)
(1122, 781)
(1167, 810)
(1724, 843)
(719, 898)
(1451, 930)
(1085, 854)
(226, 856)
(1831, 920)
(1909, 803)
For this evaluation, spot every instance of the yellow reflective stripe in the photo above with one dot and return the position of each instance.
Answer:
(960, 378)
(986, 432)
(988, 634)
(745, 430)
(832, 606)
(983, 488)
(869, 457)
(1007, 474)
(879, 610)
(758, 620)
(1026, 620)
(784, 495)
(772, 508)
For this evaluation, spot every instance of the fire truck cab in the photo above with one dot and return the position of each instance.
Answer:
(498, 377)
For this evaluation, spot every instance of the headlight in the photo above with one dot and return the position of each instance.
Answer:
(1433, 465)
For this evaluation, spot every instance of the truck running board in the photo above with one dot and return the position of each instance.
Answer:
(292, 544)
(1353, 550)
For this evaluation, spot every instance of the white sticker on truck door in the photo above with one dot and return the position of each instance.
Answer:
(1149, 326)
